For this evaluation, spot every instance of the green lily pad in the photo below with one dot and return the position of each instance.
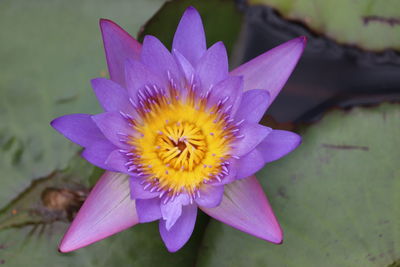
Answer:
(336, 198)
(372, 25)
(49, 52)
(32, 226)
(213, 12)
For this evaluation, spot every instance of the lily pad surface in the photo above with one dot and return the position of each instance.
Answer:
(336, 198)
(372, 25)
(49, 51)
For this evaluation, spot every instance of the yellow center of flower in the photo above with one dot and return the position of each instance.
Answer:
(181, 142)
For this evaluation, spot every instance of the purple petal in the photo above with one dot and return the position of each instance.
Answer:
(107, 210)
(253, 106)
(148, 210)
(98, 153)
(138, 76)
(117, 161)
(119, 46)
(210, 196)
(184, 65)
(172, 210)
(213, 66)
(230, 177)
(159, 60)
(113, 126)
(112, 96)
(230, 89)
(253, 134)
(189, 37)
(79, 128)
(249, 164)
(277, 144)
(271, 70)
(180, 233)
(138, 192)
(245, 207)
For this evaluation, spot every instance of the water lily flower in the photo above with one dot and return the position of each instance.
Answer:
(179, 132)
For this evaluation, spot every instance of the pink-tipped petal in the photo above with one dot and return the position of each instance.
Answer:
(148, 210)
(159, 60)
(119, 46)
(189, 37)
(249, 164)
(107, 211)
(112, 96)
(114, 127)
(278, 144)
(180, 233)
(271, 70)
(98, 153)
(210, 196)
(245, 207)
(252, 134)
(213, 66)
(253, 106)
(79, 128)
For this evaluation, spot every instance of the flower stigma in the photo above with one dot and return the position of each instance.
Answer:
(180, 140)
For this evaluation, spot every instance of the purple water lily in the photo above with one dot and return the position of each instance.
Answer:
(179, 132)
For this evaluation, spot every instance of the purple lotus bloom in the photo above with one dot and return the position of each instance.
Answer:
(179, 132)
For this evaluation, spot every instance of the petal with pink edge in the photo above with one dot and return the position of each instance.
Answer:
(119, 46)
(79, 128)
(180, 233)
(277, 144)
(189, 37)
(107, 211)
(271, 70)
(245, 207)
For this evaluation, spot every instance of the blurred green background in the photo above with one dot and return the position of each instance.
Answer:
(336, 196)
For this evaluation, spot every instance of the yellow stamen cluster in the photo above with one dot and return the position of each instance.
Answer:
(181, 142)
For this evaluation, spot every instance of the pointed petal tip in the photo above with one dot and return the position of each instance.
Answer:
(303, 39)
(103, 21)
(119, 45)
(189, 37)
(107, 211)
